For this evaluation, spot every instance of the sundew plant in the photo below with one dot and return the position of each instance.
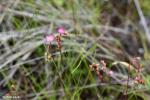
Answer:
(74, 50)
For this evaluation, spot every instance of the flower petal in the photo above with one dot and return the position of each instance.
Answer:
(61, 31)
(49, 38)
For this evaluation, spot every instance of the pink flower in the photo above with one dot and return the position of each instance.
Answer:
(111, 73)
(61, 31)
(49, 38)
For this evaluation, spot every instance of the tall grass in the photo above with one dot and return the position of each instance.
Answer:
(97, 31)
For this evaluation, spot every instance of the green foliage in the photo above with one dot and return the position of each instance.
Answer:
(91, 38)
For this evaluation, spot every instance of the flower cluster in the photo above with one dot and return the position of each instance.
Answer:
(95, 67)
(59, 44)
(136, 62)
(103, 68)
(48, 39)
(100, 68)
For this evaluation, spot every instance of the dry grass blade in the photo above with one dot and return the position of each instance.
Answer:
(143, 21)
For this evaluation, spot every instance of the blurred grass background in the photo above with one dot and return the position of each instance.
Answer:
(108, 30)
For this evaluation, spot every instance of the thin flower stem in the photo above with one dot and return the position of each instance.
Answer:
(57, 69)
(61, 58)
(55, 65)
(60, 76)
